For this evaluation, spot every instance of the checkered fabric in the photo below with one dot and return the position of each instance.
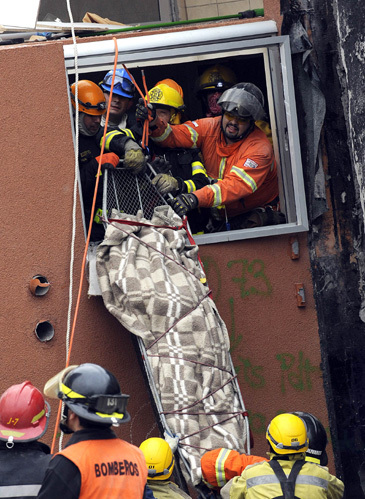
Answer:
(151, 284)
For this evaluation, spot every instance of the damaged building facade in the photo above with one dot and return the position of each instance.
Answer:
(292, 298)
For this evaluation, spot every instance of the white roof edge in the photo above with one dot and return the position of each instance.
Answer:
(178, 38)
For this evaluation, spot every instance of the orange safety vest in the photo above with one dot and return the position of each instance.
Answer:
(220, 465)
(109, 468)
(246, 170)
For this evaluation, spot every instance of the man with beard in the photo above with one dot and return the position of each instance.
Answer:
(237, 155)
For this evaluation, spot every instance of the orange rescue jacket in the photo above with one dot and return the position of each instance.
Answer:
(246, 170)
(109, 468)
(220, 465)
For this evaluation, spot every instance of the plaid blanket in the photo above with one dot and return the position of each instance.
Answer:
(151, 281)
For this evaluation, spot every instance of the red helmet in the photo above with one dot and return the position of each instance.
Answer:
(24, 414)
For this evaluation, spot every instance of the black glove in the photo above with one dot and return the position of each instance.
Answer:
(184, 203)
(161, 165)
(145, 112)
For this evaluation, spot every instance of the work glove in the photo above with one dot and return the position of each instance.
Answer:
(184, 203)
(161, 165)
(172, 440)
(134, 159)
(110, 160)
(165, 183)
(145, 112)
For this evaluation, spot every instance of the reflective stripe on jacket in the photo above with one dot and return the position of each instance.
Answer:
(260, 481)
(220, 465)
(246, 170)
(22, 469)
(108, 467)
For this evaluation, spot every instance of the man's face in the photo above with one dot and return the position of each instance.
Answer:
(92, 123)
(233, 127)
(164, 114)
(119, 105)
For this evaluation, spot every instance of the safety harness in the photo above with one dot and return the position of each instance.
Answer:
(287, 484)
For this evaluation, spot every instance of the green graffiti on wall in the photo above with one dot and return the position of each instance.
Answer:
(252, 270)
(235, 339)
(296, 372)
(252, 374)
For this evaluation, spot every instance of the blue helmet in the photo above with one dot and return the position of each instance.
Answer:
(123, 84)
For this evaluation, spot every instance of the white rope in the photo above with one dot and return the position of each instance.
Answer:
(75, 190)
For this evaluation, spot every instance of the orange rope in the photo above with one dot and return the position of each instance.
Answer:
(87, 242)
(146, 100)
(146, 122)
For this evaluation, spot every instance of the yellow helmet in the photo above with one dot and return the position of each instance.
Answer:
(159, 458)
(171, 83)
(90, 96)
(287, 434)
(216, 77)
(166, 96)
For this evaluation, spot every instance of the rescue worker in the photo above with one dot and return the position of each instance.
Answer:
(160, 464)
(119, 144)
(180, 170)
(237, 155)
(94, 462)
(122, 112)
(24, 417)
(317, 438)
(221, 465)
(210, 86)
(287, 474)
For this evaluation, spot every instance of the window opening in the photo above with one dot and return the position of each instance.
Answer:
(266, 62)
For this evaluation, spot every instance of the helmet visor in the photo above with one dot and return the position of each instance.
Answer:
(108, 404)
(242, 104)
(120, 83)
(100, 404)
(52, 387)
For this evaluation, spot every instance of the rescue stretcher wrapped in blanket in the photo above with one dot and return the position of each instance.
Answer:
(152, 282)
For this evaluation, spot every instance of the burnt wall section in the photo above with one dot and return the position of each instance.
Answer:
(336, 237)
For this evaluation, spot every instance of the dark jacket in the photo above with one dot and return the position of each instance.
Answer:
(22, 469)
(89, 149)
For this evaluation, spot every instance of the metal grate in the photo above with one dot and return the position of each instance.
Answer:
(129, 193)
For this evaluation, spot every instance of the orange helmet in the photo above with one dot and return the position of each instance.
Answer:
(24, 414)
(91, 98)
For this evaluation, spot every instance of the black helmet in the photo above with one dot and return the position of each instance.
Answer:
(317, 437)
(94, 394)
(244, 100)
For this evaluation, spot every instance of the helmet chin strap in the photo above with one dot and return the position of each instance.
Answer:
(63, 422)
(243, 135)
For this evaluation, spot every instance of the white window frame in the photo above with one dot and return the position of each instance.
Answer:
(212, 43)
